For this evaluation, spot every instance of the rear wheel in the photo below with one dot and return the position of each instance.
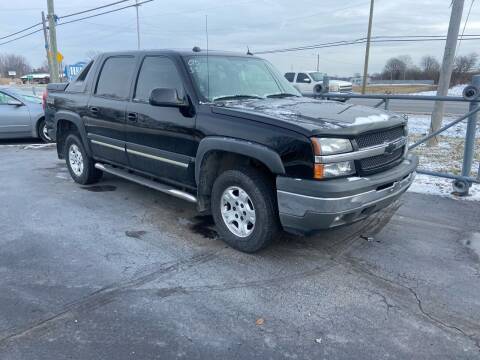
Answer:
(244, 209)
(43, 132)
(80, 165)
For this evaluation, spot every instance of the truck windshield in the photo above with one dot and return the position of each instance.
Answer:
(236, 77)
(317, 76)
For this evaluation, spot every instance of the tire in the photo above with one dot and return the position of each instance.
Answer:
(42, 131)
(246, 233)
(80, 165)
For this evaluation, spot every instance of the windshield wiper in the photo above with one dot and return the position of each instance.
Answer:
(237, 97)
(281, 95)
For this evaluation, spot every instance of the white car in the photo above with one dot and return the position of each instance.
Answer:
(311, 83)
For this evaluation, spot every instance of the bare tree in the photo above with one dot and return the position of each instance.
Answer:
(395, 68)
(430, 67)
(12, 62)
(43, 68)
(464, 67)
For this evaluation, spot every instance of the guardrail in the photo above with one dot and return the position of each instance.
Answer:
(471, 94)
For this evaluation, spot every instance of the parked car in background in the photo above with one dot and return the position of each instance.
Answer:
(21, 115)
(311, 83)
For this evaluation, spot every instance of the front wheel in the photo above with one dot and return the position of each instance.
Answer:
(244, 209)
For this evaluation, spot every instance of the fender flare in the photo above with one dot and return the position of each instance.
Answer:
(265, 155)
(75, 119)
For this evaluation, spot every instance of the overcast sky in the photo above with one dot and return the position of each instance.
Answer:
(234, 25)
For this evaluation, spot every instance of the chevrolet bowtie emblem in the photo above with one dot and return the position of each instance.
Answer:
(390, 148)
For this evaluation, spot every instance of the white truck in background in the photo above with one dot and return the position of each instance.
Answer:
(311, 83)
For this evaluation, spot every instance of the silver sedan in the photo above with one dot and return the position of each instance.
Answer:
(21, 115)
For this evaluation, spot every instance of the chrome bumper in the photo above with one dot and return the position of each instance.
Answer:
(321, 206)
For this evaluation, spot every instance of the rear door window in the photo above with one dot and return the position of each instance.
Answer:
(115, 77)
(157, 72)
(302, 78)
(290, 76)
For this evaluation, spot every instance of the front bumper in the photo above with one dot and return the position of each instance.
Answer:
(309, 205)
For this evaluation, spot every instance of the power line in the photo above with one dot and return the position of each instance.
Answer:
(66, 16)
(375, 39)
(103, 13)
(464, 26)
(21, 37)
(93, 9)
(20, 31)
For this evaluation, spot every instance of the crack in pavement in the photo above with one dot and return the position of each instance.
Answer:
(442, 323)
(374, 225)
(437, 322)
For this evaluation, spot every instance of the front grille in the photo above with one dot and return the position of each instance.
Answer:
(380, 137)
(345, 89)
(380, 162)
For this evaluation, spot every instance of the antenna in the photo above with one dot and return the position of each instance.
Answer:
(208, 65)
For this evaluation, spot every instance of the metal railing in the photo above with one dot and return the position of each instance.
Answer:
(471, 94)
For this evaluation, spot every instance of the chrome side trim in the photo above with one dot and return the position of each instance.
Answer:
(362, 153)
(4, 126)
(107, 145)
(147, 182)
(159, 158)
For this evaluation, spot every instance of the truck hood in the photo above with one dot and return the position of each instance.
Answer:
(310, 116)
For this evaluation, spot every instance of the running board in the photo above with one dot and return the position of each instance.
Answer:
(146, 182)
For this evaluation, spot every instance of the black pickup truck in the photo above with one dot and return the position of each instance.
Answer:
(228, 132)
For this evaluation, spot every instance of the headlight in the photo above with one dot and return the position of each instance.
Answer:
(331, 146)
(333, 87)
(343, 168)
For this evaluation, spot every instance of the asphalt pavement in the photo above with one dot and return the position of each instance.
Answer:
(119, 271)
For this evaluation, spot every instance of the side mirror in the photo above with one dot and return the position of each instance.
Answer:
(14, 102)
(166, 97)
(307, 80)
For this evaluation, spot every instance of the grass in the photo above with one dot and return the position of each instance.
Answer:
(447, 156)
(395, 89)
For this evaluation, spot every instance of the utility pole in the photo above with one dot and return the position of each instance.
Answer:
(53, 41)
(47, 46)
(367, 49)
(138, 25)
(318, 62)
(447, 67)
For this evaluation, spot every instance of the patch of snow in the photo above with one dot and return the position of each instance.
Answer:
(371, 118)
(431, 185)
(39, 146)
(420, 124)
(454, 91)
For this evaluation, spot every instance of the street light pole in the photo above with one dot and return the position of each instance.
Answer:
(367, 49)
(138, 25)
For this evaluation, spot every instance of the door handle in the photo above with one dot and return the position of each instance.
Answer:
(94, 110)
(132, 116)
